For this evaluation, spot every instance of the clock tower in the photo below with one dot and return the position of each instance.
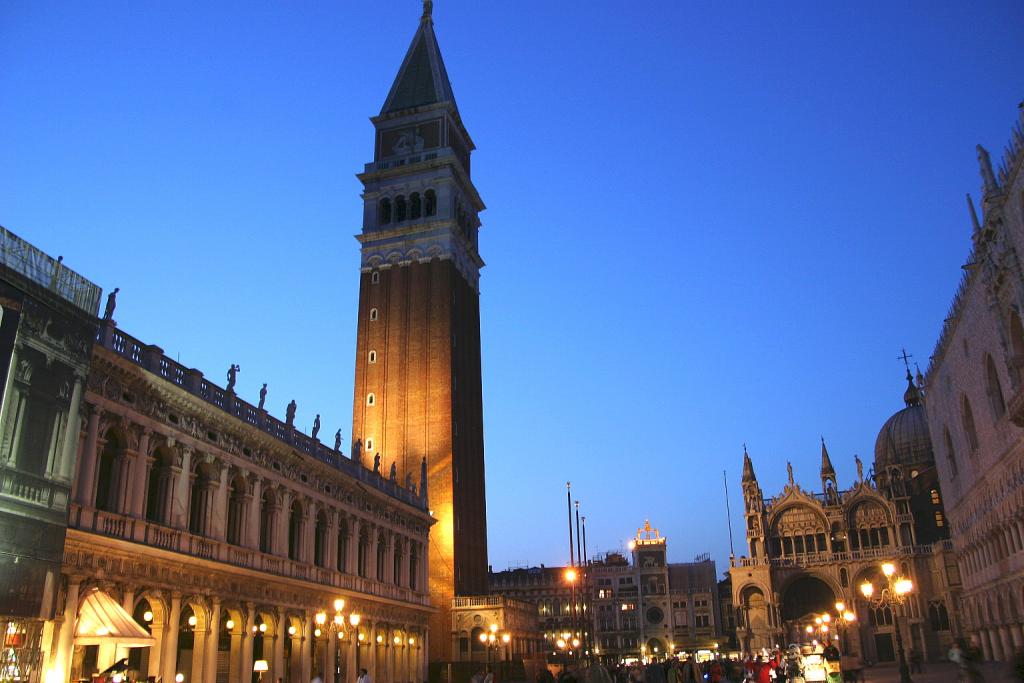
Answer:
(417, 379)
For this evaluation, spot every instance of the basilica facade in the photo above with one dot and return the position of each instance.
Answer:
(812, 548)
(976, 410)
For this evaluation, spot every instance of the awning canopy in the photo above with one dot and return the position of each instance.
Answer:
(101, 620)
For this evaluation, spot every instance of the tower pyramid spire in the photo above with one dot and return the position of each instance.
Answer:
(748, 467)
(422, 79)
(826, 462)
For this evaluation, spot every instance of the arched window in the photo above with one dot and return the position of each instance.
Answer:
(294, 531)
(430, 203)
(371, 399)
(938, 616)
(109, 474)
(415, 207)
(158, 490)
(373, 357)
(375, 277)
(197, 504)
(1016, 343)
(844, 577)
(968, 418)
(342, 559)
(267, 522)
(950, 453)
(320, 540)
(373, 314)
(413, 567)
(236, 511)
(399, 209)
(361, 555)
(384, 212)
(994, 389)
(382, 547)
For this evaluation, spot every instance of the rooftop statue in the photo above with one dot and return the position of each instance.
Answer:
(789, 472)
(376, 464)
(357, 450)
(394, 472)
(108, 312)
(263, 396)
(337, 440)
(860, 469)
(289, 414)
(316, 425)
(232, 377)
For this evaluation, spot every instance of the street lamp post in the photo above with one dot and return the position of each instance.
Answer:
(844, 619)
(335, 629)
(892, 595)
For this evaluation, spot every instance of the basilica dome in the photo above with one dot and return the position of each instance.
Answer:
(904, 438)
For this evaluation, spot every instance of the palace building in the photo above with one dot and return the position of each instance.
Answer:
(417, 377)
(975, 407)
(206, 535)
(811, 549)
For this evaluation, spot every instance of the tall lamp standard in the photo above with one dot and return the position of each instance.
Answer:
(892, 595)
(334, 628)
(844, 619)
(353, 621)
(571, 576)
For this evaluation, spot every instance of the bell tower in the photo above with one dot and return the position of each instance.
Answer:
(417, 378)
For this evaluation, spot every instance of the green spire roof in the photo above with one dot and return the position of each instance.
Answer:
(422, 80)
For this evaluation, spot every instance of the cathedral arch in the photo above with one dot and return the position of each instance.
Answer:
(807, 594)
(994, 389)
(798, 530)
(870, 525)
(967, 418)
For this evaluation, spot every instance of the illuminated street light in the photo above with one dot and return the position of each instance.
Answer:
(892, 596)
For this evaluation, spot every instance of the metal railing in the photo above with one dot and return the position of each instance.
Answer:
(47, 272)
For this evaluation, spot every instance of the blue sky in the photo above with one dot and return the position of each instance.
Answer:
(707, 224)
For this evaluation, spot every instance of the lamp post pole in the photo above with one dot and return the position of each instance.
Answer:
(892, 595)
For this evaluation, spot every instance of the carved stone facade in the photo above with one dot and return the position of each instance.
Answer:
(975, 406)
(809, 550)
(224, 536)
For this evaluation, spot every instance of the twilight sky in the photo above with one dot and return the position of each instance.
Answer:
(706, 225)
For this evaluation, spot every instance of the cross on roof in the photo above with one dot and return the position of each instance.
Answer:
(905, 357)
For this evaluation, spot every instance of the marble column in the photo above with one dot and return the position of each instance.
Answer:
(279, 666)
(282, 522)
(180, 490)
(1005, 643)
(326, 668)
(170, 649)
(331, 542)
(306, 656)
(244, 673)
(351, 673)
(140, 479)
(371, 555)
(86, 492)
(72, 434)
(371, 652)
(218, 514)
(61, 659)
(352, 562)
(252, 528)
(212, 643)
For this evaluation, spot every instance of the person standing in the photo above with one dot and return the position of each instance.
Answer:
(364, 676)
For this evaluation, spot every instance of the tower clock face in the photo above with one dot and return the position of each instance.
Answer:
(655, 615)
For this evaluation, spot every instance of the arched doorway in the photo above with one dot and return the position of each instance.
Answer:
(804, 599)
(754, 624)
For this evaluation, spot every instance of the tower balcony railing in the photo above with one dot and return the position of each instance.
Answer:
(409, 159)
(151, 358)
(145, 532)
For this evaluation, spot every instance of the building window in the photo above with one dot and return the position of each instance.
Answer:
(939, 519)
(399, 209)
(373, 314)
(950, 453)
(415, 206)
(994, 389)
(938, 616)
(369, 445)
(968, 419)
(936, 500)
(384, 211)
(430, 203)
(373, 357)
(375, 277)
(371, 399)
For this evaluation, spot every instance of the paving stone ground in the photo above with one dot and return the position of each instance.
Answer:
(943, 672)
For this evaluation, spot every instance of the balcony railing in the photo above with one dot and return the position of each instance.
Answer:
(47, 272)
(156, 535)
(151, 358)
(851, 555)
